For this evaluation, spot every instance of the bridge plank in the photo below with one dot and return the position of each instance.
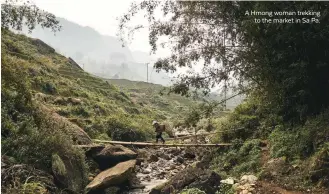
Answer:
(160, 145)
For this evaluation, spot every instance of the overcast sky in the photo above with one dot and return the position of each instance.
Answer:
(98, 14)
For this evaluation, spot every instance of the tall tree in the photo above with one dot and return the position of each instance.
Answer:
(287, 63)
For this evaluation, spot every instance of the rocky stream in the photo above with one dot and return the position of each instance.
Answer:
(148, 170)
(157, 166)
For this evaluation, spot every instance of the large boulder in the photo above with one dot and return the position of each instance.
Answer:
(112, 176)
(112, 155)
(78, 135)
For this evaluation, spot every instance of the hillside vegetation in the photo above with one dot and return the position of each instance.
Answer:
(49, 104)
(53, 80)
(96, 105)
(155, 96)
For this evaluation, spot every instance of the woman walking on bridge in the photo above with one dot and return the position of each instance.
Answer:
(159, 129)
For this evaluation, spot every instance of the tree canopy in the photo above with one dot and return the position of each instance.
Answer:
(285, 63)
(17, 13)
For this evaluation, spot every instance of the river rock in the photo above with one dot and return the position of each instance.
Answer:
(209, 182)
(139, 161)
(175, 151)
(143, 153)
(189, 154)
(153, 158)
(190, 177)
(164, 156)
(229, 181)
(180, 159)
(112, 176)
(112, 155)
(161, 163)
(147, 178)
(251, 179)
(147, 171)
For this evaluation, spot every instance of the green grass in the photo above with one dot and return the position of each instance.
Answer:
(53, 76)
(148, 94)
(133, 105)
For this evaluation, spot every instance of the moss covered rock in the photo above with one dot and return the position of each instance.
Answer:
(69, 172)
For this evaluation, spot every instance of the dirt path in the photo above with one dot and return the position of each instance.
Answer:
(264, 187)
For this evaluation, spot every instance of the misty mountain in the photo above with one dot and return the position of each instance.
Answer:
(105, 57)
(99, 54)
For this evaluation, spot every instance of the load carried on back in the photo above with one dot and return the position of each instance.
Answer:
(158, 129)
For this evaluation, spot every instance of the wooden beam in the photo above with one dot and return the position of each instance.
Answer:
(90, 146)
(161, 145)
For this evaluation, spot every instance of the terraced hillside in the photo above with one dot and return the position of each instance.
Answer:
(96, 105)
(155, 96)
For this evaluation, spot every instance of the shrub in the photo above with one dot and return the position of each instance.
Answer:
(300, 141)
(81, 111)
(319, 168)
(225, 189)
(49, 88)
(121, 128)
(103, 136)
(127, 134)
(34, 188)
(243, 123)
(240, 158)
(205, 124)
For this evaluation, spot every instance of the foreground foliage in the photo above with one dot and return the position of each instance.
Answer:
(302, 148)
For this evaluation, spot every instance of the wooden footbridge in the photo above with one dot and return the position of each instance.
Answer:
(102, 143)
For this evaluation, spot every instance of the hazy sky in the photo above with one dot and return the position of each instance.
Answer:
(98, 14)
